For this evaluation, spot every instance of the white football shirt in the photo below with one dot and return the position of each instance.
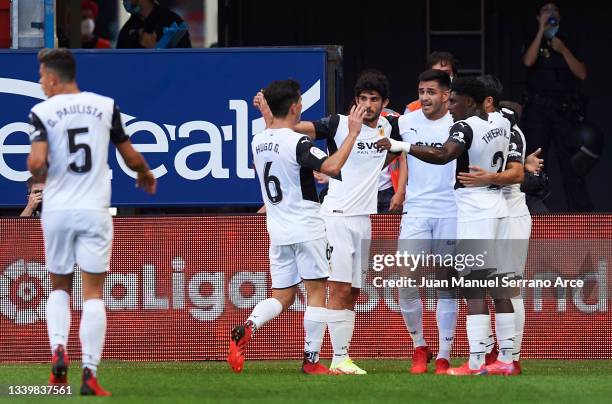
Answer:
(77, 128)
(486, 146)
(430, 188)
(284, 161)
(515, 199)
(355, 190)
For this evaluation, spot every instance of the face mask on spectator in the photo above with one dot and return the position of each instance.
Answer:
(87, 27)
(131, 8)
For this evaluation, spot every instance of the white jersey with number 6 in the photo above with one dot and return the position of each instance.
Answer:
(77, 128)
(284, 161)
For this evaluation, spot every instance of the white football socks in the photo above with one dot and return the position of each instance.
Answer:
(92, 332)
(412, 311)
(265, 311)
(478, 328)
(519, 326)
(341, 324)
(58, 318)
(504, 330)
(446, 316)
(315, 321)
(490, 342)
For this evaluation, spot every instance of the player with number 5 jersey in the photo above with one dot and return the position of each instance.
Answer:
(70, 134)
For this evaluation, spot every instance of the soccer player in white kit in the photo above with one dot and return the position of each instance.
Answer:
(70, 133)
(517, 226)
(429, 222)
(284, 161)
(351, 199)
(474, 140)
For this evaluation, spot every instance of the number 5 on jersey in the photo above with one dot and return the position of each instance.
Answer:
(74, 147)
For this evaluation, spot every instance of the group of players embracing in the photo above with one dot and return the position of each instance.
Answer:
(466, 160)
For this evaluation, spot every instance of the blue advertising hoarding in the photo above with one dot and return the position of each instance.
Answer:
(188, 111)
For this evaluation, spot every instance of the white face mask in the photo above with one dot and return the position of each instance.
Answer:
(87, 27)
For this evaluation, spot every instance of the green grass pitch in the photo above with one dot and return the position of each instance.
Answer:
(543, 381)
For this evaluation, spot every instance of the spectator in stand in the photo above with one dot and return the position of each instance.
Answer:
(89, 40)
(146, 25)
(34, 206)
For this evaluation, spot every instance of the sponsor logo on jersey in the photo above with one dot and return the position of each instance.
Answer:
(367, 148)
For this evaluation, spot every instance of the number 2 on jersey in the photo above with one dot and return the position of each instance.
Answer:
(272, 183)
(74, 147)
(497, 161)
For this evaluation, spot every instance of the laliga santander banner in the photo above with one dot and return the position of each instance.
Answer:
(188, 111)
(177, 285)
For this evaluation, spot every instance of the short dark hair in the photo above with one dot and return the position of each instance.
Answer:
(444, 58)
(280, 95)
(373, 80)
(61, 61)
(439, 76)
(493, 88)
(470, 86)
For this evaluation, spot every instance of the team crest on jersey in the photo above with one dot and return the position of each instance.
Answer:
(381, 131)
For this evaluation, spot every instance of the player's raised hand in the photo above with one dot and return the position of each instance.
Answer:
(477, 177)
(259, 102)
(533, 163)
(383, 144)
(146, 180)
(356, 119)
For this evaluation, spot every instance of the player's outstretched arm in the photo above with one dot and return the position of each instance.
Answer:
(479, 177)
(134, 160)
(449, 151)
(333, 164)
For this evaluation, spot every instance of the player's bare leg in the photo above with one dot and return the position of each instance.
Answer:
(58, 326)
(92, 332)
(315, 322)
(341, 323)
(263, 312)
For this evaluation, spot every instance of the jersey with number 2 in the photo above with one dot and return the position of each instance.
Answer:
(485, 144)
